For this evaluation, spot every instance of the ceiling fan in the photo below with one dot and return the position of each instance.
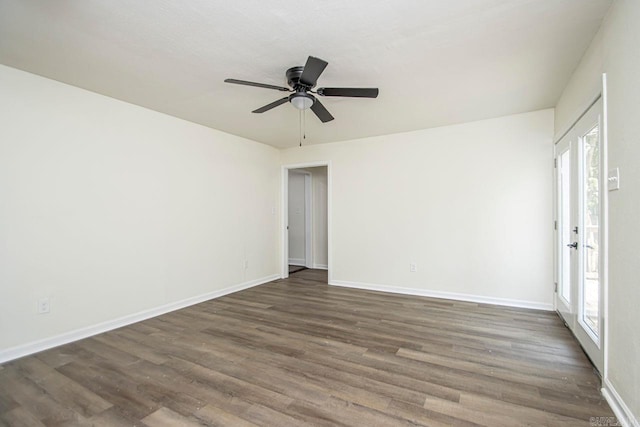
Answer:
(302, 79)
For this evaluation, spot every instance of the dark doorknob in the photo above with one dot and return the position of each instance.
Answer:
(573, 245)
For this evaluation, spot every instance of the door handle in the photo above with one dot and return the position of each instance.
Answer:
(573, 245)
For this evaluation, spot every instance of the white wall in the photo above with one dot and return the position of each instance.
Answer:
(319, 250)
(110, 209)
(471, 204)
(616, 51)
(297, 215)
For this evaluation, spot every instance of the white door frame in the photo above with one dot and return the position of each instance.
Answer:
(284, 217)
(597, 349)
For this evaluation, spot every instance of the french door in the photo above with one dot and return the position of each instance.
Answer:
(579, 213)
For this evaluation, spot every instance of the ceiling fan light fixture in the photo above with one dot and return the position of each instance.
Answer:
(302, 100)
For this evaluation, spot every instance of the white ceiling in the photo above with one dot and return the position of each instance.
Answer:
(436, 62)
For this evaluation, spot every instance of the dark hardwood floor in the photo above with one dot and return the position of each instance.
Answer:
(299, 352)
(296, 268)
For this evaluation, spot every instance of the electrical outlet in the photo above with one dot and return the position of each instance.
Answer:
(413, 267)
(44, 306)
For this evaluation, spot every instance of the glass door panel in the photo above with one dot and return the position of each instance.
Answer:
(590, 312)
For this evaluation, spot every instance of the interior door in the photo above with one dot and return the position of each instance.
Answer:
(579, 207)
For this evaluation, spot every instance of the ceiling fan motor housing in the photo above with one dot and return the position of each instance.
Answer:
(293, 78)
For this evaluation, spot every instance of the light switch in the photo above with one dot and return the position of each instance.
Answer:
(613, 180)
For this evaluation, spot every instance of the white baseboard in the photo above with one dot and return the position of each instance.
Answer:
(78, 334)
(445, 295)
(297, 261)
(320, 266)
(619, 407)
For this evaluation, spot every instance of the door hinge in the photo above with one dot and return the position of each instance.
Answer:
(555, 163)
(555, 225)
(555, 287)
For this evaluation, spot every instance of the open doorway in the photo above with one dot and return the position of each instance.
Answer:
(305, 220)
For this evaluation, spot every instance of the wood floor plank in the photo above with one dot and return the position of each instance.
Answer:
(62, 389)
(216, 417)
(20, 417)
(113, 417)
(165, 417)
(298, 352)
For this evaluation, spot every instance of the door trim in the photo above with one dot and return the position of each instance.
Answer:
(284, 214)
(605, 226)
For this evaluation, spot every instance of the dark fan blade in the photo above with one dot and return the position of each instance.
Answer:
(246, 83)
(272, 105)
(321, 112)
(354, 92)
(312, 70)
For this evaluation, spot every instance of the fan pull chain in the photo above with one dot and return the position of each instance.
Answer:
(303, 126)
